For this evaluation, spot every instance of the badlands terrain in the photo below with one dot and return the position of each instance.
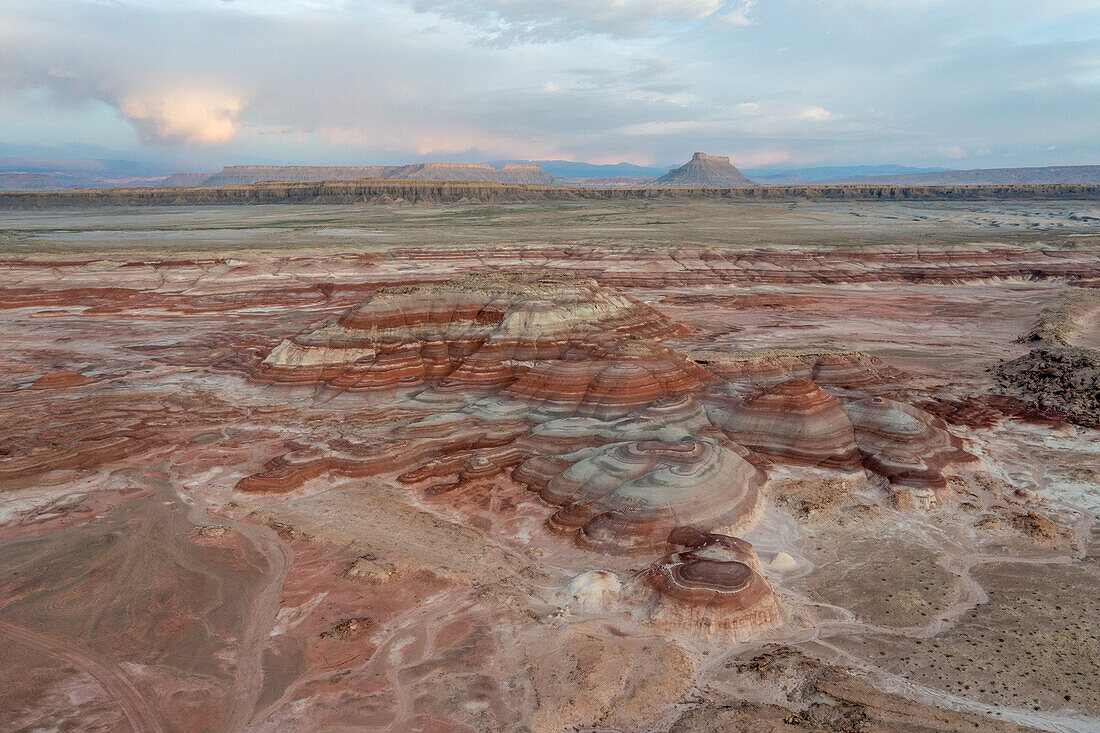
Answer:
(597, 465)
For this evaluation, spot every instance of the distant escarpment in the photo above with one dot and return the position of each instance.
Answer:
(236, 175)
(27, 182)
(185, 180)
(986, 176)
(705, 170)
(1060, 320)
(388, 191)
(479, 172)
(240, 175)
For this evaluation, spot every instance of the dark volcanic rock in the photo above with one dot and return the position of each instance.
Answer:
(1064, 380)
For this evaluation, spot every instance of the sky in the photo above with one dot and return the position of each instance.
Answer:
(786, 83)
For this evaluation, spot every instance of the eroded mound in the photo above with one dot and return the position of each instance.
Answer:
(491, 383)
(477, 332)
(713, 582)
(795, 421)
(904, 444)
(544, 371)
(629, 496)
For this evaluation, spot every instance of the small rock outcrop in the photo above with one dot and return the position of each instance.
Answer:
(61, 379)
(712, 582)
(1064, 380)
(594, 589)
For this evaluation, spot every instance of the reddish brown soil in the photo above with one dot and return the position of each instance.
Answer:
(192, 539)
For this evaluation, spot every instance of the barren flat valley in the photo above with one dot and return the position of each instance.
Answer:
(594, 465)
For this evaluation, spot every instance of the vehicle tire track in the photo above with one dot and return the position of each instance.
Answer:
(141, 716)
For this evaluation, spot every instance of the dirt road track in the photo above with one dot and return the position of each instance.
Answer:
(141, 715)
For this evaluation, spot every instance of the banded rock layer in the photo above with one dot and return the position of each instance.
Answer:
(574, 391)
(713, 582)
(625, 497)
(479, 332)
(904, 444)
(795, 421)
(536, 366)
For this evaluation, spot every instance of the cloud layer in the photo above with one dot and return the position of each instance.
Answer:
(538, 21)
(184, 116)
(986, 83)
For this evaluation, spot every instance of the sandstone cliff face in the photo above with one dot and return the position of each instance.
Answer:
(389, 191)
(705, 170)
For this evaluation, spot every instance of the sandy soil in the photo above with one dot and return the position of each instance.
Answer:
(691, 224)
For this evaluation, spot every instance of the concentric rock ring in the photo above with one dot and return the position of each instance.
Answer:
(628, 496)
(712, 581)
(795, 421)
(904, 444)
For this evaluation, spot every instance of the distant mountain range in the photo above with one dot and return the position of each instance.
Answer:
(979, 176)
(32, 173)
(28, 182)
(45, 174)
(708, 170)
(572, 169)
(800, 176)
(481, 172)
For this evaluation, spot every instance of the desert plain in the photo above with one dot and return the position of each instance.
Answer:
(556, 466)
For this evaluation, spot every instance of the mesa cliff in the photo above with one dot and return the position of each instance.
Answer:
(237, 175)
(389, 191)
(705, 171)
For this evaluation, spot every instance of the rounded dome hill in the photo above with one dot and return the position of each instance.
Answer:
(704, 170)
